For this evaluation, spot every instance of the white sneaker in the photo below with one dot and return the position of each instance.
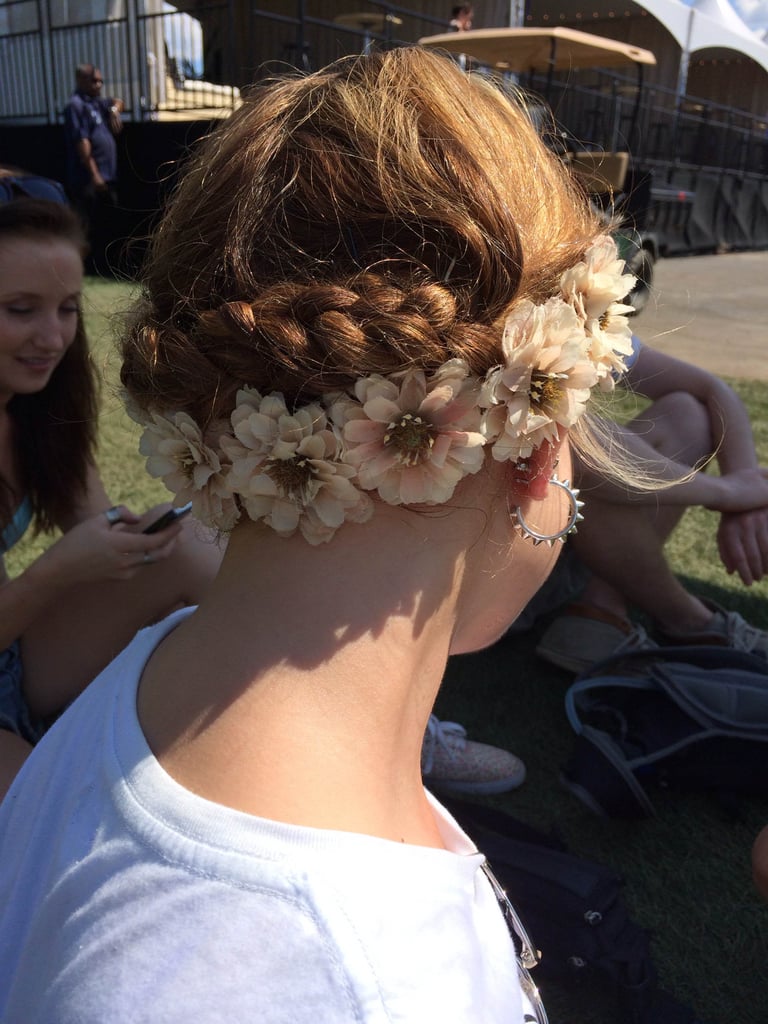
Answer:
(453, 764)
(584, 635)
(725, 629)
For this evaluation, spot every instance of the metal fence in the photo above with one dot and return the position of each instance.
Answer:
(150, 57)
(609, 111)
(168, 65)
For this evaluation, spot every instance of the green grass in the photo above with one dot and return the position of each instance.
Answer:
(686, 870)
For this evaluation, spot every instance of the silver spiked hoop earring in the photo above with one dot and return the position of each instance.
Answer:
(574, 517)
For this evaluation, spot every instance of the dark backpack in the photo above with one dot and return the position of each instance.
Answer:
(685, 718)
(573, 911)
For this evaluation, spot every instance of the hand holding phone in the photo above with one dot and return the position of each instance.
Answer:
(167, 518)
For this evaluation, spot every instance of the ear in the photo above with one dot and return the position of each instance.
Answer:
(529, 477)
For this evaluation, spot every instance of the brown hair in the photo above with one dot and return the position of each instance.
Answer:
(54, 429)
(381, 214)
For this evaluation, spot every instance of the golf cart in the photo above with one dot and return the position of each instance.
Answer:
(604, 172)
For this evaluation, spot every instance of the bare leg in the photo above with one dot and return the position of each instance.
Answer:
(624, 550)
(623, 546)
(67, 647)
(13, 753)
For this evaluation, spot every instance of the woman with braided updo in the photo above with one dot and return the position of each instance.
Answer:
(373, 315)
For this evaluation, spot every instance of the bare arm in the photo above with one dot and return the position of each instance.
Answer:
(741, 490)
(90, 550)
(740, 493)
(656, 374)
(115, 110)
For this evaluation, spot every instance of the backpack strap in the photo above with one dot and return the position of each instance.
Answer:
(710, 657)
(695, 717)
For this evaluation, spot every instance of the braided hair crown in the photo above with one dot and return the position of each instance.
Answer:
(382, 215)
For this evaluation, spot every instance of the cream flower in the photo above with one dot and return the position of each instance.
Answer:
(178, 454)
(597, 281)
(409, 436)
(413, 438)
(610, 343)
(544, 383)
(595, 288)
(286, 468)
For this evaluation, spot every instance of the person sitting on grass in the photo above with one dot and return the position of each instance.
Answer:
(371, 322)
(73, 608)
(617, 556)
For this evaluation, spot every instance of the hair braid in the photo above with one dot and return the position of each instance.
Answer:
(306, 340)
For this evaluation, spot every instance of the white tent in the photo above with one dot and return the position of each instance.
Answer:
(673, 15)
(721, 11)
(715, 25)
(706, 25)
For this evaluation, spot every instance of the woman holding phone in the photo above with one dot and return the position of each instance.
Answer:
(65, 617)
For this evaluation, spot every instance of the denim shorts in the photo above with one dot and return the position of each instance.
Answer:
(14, 713)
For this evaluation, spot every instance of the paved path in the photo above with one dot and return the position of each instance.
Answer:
(712, 311)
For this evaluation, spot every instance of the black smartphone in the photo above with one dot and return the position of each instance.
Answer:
(168, 517)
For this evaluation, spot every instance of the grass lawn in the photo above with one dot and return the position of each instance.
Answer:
(686, 870)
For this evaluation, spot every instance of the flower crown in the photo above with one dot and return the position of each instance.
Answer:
(410, 437)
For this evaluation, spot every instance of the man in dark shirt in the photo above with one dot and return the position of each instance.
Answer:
(91, 123)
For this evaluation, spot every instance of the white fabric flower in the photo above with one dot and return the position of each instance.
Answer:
(413, 438)
(610, 344)
(595, 287)
(544, 383)
(597, 281)
(410, 436)
(178, 454)
(286, 468)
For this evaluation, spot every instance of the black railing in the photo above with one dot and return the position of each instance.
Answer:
(167, 65)
(153, 60)
(684, 131)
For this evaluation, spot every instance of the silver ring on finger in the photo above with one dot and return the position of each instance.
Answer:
(114, 515)
(148, 559)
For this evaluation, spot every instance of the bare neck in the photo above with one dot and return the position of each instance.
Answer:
(301, 688)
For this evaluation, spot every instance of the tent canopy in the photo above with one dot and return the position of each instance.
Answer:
(716, 26)
(539, 49)
(704, 25)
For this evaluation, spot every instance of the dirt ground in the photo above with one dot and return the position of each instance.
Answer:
(712, 311)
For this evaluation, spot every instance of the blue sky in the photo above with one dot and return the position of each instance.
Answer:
(753, 12)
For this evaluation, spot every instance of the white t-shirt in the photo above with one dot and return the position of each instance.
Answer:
(126, 898)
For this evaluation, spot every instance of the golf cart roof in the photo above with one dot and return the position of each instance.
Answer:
(539, 49)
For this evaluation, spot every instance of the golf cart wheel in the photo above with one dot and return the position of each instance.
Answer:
(641, 265)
